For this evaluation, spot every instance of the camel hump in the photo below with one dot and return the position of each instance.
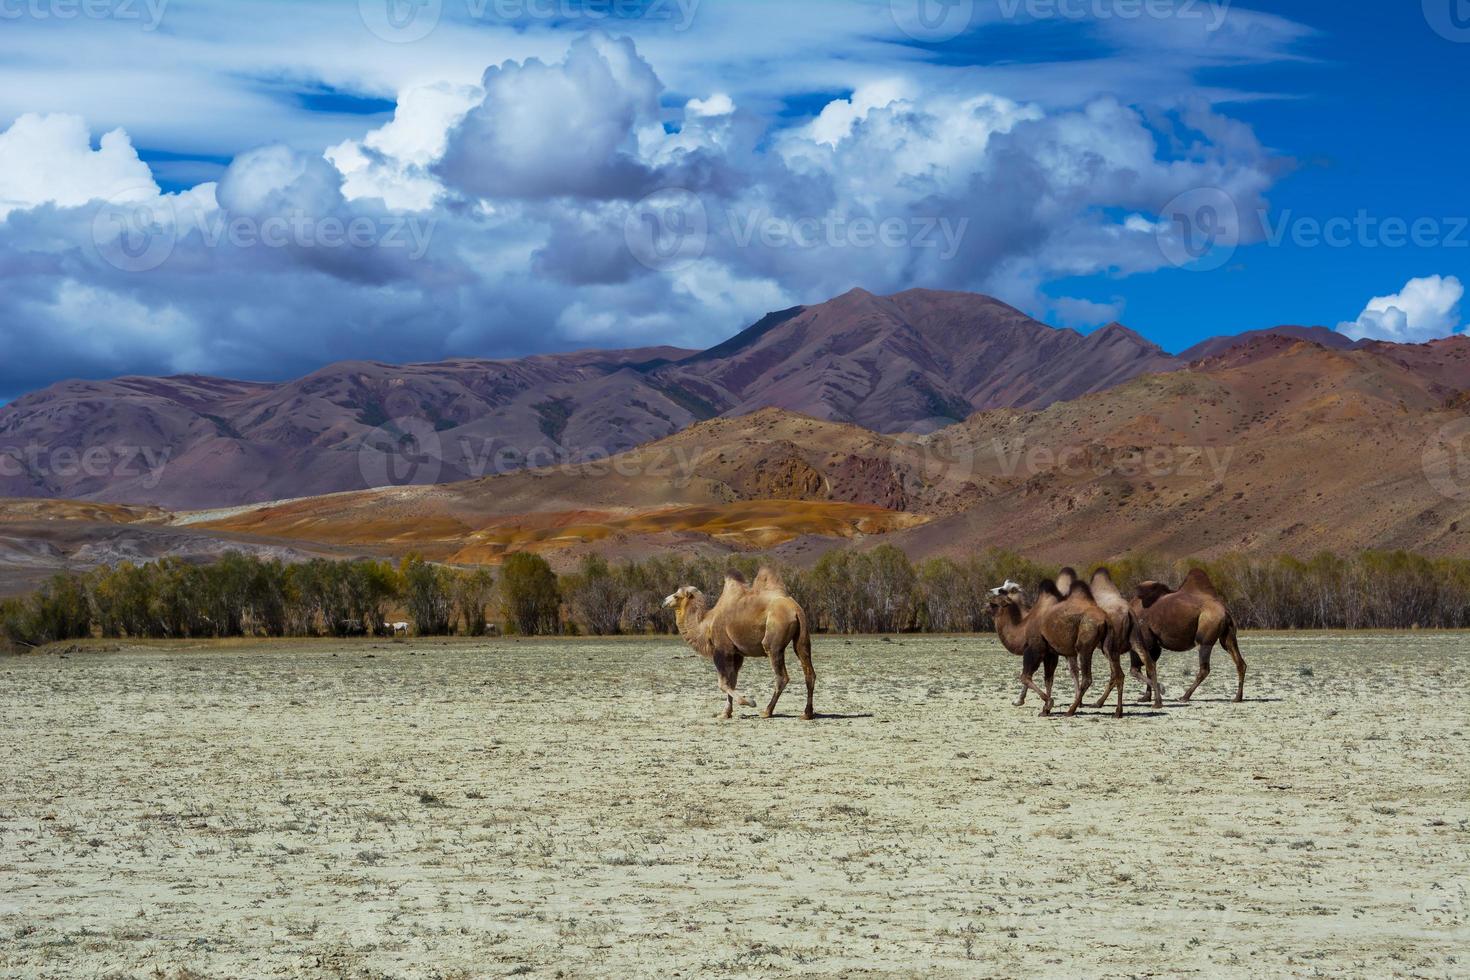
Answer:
(1081, 590)
(1065, 579)
(735, 586)
(1103, 586)
(1198, 582)
(1049, 589)
(769, 580)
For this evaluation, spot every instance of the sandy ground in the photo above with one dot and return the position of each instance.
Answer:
(575, 809)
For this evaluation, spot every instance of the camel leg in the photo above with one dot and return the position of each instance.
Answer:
(777, 654)
(1150, 676)
(1145, 695)
(1115, 679)
(1049, 670)
(729, 672)
(1083, 682)
(1205, 649)
(1136, 672)
(1232, 647)
(803, 645)
(1025, 690)
(1029, 663)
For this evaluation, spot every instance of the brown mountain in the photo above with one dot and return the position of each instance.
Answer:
(1275, 446)
(916, 360)
(894, 363)
(1322, 336)
(189, 442)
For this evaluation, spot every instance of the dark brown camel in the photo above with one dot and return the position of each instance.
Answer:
(1191, 616)
(1065, 579)
(1057, 626)
(750, 620)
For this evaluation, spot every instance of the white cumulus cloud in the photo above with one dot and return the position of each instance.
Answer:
(50, 160)
(1425, 309)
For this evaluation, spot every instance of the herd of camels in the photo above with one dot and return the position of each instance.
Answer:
(1070, 619)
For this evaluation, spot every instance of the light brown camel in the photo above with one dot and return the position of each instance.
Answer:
(1057, 626)
(1120, 640)
(758, 619)
(1191, 616)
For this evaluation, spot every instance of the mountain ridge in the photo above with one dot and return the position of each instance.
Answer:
(917, 360)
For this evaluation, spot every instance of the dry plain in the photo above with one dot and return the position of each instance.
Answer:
(574, 808)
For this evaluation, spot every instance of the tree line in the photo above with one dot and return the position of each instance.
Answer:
(847, 591)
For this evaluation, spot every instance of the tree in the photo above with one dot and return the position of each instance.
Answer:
(596, 597)
(427, 591)
(529, 598)
(472, 594)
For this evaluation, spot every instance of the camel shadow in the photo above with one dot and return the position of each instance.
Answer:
(823, 716)
(1185, 704)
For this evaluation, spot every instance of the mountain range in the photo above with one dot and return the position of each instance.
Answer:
(1285, 441)
(915, 361)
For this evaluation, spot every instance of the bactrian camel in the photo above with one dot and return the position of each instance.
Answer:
(1193, 616)
(1120, 639)
(749, 620)
(1057, 626)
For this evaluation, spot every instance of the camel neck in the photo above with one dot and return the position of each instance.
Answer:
(1008, 624)
(690, 621)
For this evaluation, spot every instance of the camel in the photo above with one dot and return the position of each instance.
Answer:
(757, 619)
(1120, 640)
(1057, 626)
(1064, 581)
(1178, 620)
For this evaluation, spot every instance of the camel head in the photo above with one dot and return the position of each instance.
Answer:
(1151, 592)
(680, 600)
(1009, 594)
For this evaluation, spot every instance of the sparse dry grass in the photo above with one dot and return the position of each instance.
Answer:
(528, 809)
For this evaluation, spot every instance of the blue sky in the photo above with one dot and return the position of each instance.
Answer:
(1375, 117)
(177, 177)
